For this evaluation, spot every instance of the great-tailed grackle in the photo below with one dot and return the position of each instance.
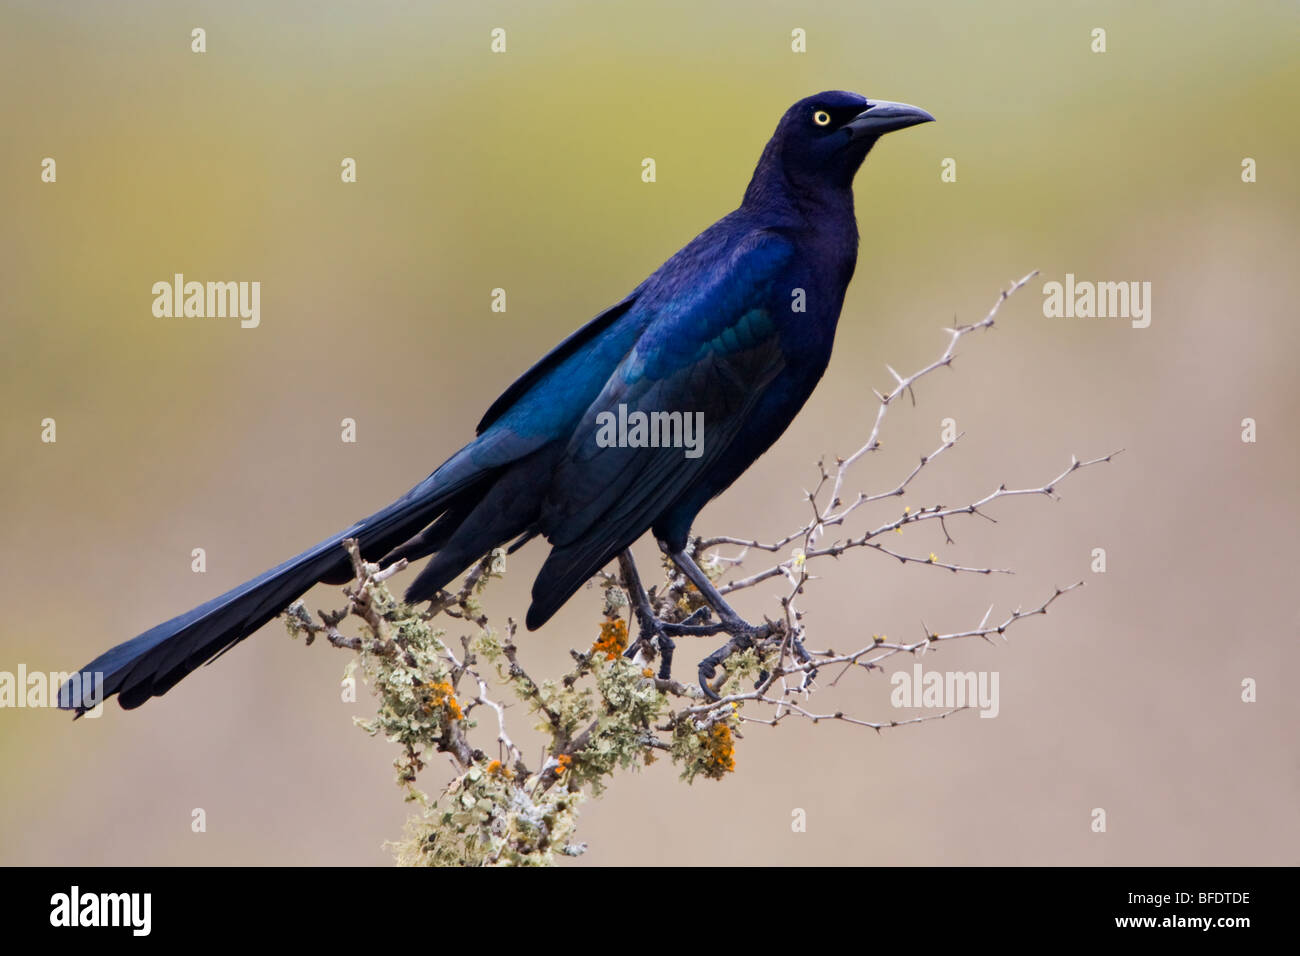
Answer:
(738, 326)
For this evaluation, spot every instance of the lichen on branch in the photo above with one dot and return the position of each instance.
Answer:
(612, 710)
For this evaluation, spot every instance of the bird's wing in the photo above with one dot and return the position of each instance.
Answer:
(711, 350)
(552, 360)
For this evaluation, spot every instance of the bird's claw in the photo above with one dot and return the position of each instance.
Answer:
(654, 636)
(707, 672)
(743, 635)
(700, 615)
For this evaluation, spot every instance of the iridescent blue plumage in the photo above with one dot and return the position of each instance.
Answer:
(736, 328)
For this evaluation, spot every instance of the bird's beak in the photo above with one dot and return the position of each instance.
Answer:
(882, 116)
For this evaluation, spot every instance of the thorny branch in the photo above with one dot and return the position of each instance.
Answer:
(501, 811)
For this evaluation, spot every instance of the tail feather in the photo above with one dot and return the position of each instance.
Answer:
(507, 509)
(565, 570)
(152, 663)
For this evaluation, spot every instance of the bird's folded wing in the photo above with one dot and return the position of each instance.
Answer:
(712, 357)
(571, 347)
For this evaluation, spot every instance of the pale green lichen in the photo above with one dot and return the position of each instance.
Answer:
(487, 819)
(407, 666)
(706, 746)
(744, 669)
(623, 734)
(609, 713)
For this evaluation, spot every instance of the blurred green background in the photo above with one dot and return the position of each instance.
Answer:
(522, 171)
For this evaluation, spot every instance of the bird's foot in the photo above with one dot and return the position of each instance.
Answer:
(657, 634)
(653, 634)
(801, 654)
(743, 636)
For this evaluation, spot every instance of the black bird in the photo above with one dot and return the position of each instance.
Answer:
(736, 327)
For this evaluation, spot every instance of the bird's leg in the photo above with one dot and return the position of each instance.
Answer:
(650, 628)
(732, 622)
(741, 631)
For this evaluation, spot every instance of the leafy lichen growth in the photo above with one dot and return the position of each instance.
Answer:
(407, 665)
(747, 667)
(485, 819)
(609, 713)
(623, 735)
(706, 747)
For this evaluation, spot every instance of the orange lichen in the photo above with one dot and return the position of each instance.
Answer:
(444, 696)
(613, 639)
(722, 750)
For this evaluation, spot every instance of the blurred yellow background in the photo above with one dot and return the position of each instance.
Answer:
(522, 171)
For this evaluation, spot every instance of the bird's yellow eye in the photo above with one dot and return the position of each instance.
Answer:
(822, 118)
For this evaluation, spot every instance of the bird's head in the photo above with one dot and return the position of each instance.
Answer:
(823, 139)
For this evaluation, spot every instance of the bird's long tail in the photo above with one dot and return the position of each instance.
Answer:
(151, 664)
